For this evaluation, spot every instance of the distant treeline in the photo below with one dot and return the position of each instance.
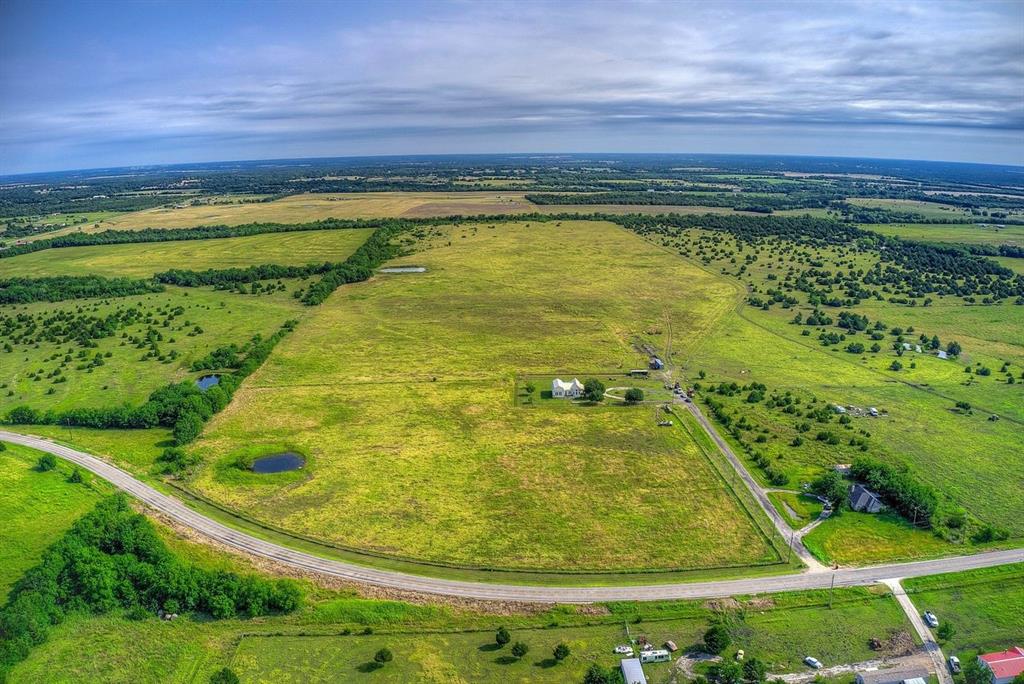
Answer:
(60, 288)
(181, 406)
(112, 558)
(736, 200)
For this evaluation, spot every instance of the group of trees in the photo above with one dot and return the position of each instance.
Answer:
(112, 558)
(61, 288)
(182, 406)
(913, 500)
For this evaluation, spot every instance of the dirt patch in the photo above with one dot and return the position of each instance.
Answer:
(899, 643)
(763, 603)
(684, 665)
(721, 605)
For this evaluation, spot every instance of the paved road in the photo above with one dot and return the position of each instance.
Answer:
(930, 647)
(183, 515)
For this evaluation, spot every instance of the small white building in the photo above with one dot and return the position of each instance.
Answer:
(941, 354)
(566, 390)
(632, 671)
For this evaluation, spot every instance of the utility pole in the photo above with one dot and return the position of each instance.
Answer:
(831, 591)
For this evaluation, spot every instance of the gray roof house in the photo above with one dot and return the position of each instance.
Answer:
(863, 499)
(891, 676)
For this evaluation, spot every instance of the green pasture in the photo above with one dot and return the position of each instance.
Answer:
(853, 538)
(984, 232)
(401, 391)
(125, 376)
(144, 259)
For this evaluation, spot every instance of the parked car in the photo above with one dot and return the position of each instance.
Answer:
(624, 650)
(930, 619)
(812, 662)
(954, 664)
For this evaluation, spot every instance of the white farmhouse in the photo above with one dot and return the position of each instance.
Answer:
(566, 390)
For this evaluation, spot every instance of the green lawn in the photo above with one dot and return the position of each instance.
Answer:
(797, 509)
(145, 259)
(985, 607)
(862, 539)
(36, 508)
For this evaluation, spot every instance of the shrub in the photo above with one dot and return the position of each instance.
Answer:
(519, 649)
(716, 639)
(224, 676)
(634, 395)
(502, 637)
(561, 652)
(383, 656)
(46, 463)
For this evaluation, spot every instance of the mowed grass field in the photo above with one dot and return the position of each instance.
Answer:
(145, 259)
(36, 508)
(125, 376)
(400, 391)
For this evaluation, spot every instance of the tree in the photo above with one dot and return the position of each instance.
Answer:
(726, 672)
(1019, 679)
(561, 652)
(502, 637)
(599, 675)
(530, 388)
(634, 395)
(224, 676)
(187, 427)
(76, 476)
(46, 463)
(383, 656)
(716, 639)
(946, 631)
(832, 486)
(754, 671)
(953, 349)
(519, 649)
(976, 673)
(896, 366)
(593, 390)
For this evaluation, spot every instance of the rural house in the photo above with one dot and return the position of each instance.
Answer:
(891, 676)
(566, 390)
(863, 499)
(1004, 665)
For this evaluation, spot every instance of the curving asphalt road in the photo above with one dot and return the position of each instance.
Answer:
(184, 515)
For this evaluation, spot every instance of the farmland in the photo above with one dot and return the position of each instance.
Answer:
(420, 413)
(144, 259)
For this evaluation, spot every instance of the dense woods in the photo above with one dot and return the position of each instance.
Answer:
(112, 558)
(61, 288)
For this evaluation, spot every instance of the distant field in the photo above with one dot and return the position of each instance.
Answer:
(145, 259)
(400, 391)
(927, 209)
(36, 508)
(958, 232)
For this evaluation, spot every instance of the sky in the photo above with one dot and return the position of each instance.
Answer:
(96, 84)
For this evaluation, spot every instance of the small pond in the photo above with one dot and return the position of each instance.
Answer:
(207, 381)
(278, 463)
(404, 269)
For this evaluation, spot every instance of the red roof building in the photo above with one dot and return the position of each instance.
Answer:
(1004, 665)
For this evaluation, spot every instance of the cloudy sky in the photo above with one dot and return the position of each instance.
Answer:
(90, 84)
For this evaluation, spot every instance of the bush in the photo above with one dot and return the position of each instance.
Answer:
(634, 395)
(561, 652)
(717, 639)
(383, 656)
(502, 637)
(224, 676)
(46, 463)
(519, 649)
(596, 674)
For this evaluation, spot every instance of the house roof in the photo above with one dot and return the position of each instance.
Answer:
(558, 383)
(633, 671)
(1004, 664)
(861, 495)
(890, 676)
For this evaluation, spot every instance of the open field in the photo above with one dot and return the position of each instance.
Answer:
(985, 607)
(971, 233)
(405, 384)
(144, 259)
(927, 209)
(36, 508)
(130, 372)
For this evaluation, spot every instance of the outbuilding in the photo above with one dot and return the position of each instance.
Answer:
(891, 676)
(632, 671)
(1004, 665)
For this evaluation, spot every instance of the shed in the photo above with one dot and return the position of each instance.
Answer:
(863, 499)
(891, 676)
(1004, 665)
(941, 354)
(633, 671)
